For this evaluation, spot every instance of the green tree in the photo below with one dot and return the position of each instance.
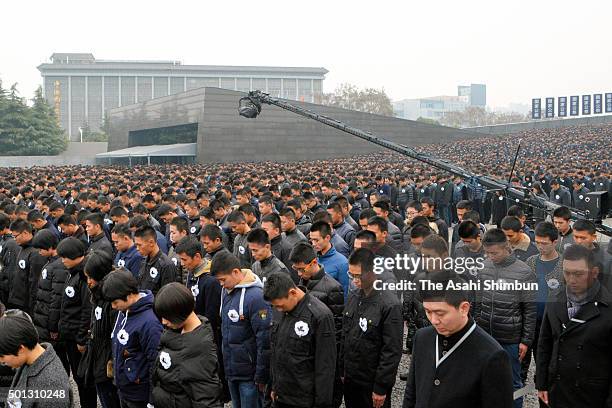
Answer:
(28, 131)
(369, 100)
(90, 135)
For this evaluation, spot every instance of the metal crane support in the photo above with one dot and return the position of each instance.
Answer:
(250, 107)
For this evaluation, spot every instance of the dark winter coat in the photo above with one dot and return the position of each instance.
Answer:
(135, 339)
(509, 316)
(157, 271)
(245, 330)
(486, 384)
(574, 361)
(372, 340)
(49, 297)
(99, 349)
(75, 312)
(23, 278)
(330, 292)
(303, 355)
(186, 371)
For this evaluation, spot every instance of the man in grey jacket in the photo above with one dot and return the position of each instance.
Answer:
(508, 309)
(40, 375)
(265, 262)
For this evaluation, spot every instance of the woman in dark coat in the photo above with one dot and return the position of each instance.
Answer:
(186, 371)
(96, 366)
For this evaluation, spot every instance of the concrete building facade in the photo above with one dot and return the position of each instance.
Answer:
(209, 117)
(82, 88)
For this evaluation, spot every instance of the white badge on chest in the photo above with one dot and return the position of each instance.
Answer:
(301, 328)
(153, 272)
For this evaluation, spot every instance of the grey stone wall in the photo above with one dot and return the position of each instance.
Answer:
(76, 154)
(279, 135)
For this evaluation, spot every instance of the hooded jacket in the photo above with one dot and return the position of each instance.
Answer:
(135, 338)
(245, 327)
(186, 371)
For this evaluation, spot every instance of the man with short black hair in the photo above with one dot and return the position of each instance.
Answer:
(68, 226)
(303, 371)
(507, 315)
(266, 262)
(469, 234)
(94, 225)
(336, 265)
(372, 332)
(521, 244)
(245, 321)
(548, 268)
(241, 229)
(39, 222)
(291, 234)
(8, 255)
(561, 218)
(28, 264)
(435, 379)
(156, 268)
(429, 212)
(585, 234)
(575, 345)
(127, 255)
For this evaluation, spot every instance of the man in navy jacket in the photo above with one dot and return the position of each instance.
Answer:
(245, 326)
(135, 337)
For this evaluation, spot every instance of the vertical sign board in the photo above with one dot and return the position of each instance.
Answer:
(574, 105)
(562, 109)
(536, 108)
(597, 108)
(550, 108)
(609, 103)
(586, 104)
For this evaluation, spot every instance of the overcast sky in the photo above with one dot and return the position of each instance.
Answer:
(519, 49)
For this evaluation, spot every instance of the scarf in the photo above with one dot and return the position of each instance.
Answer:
(574, 303)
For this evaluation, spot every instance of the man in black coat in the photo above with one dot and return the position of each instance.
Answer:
(94, 224)
(303, 346)
(27, 266)
(157, 269)
(326, 289)
(454, 362)
(574, 361)
(372, 338)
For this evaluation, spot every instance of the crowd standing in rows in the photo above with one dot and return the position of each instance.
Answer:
(257, 282)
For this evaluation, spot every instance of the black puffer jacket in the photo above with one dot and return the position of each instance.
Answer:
(49, 297)
(23, 278)
(76, 307)
(509, 316)
(186, 370)
(8, 257)
(330, 292)
(99, 347)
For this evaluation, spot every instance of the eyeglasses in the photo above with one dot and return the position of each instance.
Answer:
(353, 276)
(304, 268)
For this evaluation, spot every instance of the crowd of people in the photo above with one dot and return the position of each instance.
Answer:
(257, 283)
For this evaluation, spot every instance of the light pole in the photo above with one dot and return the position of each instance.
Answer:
(81, 132)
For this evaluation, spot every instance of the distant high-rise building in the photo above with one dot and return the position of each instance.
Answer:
(81, 88)
(476, 93)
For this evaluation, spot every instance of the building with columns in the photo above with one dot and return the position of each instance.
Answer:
(82, 89)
